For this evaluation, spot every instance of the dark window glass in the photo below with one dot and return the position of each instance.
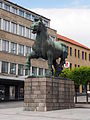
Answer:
(78, 53)
(4, 67)
(75, 52)
(85, 56)
(82, 55)
(21, 13)
(70, 51)
(12, 68)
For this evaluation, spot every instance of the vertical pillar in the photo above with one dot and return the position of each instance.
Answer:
(17, 69)
(0, 66)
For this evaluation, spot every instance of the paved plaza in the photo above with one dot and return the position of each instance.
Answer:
(12, 112)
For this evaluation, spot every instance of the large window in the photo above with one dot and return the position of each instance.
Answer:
(6, 25)
(33, 17)
(4, 67)
(14, 10)
(70, 51)
(7, 7)
(85, 56)
(21, 30)
(41, 71)
(21, 13)
(21, 49)
(75, 52)
(45, 23)
(27, 32)
(28, 16)
(5, 46)
(20, 70)
(33, 36)
(34, 71)
(82, 55)
(78, 53)
(28, 50)
(0, 4)
(13, 48)
(12, 68)
(14, 28)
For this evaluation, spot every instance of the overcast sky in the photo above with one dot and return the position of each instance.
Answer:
(71, 18)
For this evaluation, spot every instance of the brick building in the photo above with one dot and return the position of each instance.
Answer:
(16, 40)
(78, 55)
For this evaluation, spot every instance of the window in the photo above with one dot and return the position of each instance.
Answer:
(75, 52)
(28, 16)
(14, 28)
(21, 30)
(13, 48)
(70, 51)
(78, 53)
(46, 23)
(75, 65)
(85, 56)
(6, 25)
(14, 10)
(78, 65)
(27, 32)
(12, 68)
(34, 71)
(82, 55)
(0, 4)
(89, 57)
(33, 36)
(70, 66)
(21, 13)
(5, 46)
(28, 50)
(27, 72)
(41, 71)
(46, 71)
(20, 70)
(21, 49)
(7, 7)
(4, 67)
(33, 17)
(52, 38)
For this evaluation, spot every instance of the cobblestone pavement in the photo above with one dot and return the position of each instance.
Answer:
(68, 114)
(14, 111)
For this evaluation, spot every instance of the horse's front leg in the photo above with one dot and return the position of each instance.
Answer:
(28, 60)
(50, 62)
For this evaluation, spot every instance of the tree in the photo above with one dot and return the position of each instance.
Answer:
(80, 75)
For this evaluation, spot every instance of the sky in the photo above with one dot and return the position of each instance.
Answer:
(71, 18)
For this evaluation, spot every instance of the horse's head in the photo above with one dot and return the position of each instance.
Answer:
(36, 25)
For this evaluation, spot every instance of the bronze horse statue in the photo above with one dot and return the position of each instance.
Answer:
(47, 49)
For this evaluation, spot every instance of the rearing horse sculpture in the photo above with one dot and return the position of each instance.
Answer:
(47, 49)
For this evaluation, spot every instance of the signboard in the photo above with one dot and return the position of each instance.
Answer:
(67, 64)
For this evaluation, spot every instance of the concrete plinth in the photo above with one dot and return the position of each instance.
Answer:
(45, 94)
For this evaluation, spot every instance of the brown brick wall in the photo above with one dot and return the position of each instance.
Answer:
(45, 94)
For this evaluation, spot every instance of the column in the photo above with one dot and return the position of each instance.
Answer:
(24, 50)
(43, 72)
(1, 24)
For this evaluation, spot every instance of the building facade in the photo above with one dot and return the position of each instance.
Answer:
(16, 40)
(78, 55)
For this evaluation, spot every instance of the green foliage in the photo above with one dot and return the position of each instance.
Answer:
(64, 73)
(80, 75)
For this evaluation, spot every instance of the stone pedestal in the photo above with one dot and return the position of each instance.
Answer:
(45, 94)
